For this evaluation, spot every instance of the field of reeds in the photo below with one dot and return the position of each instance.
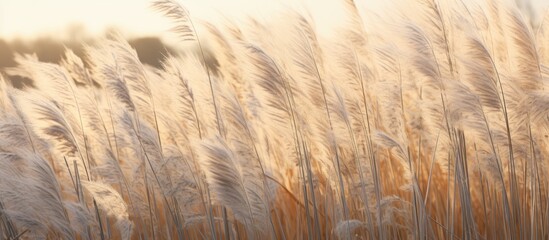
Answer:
(435, 128)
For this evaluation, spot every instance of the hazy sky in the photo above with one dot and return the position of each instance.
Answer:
(24, 18)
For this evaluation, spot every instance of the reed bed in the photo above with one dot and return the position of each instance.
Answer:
(433, 128)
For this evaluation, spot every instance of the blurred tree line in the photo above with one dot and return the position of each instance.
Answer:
(150, 50)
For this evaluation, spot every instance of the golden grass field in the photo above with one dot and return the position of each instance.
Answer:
(435, 128)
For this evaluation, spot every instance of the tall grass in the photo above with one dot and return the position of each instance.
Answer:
(432, 128)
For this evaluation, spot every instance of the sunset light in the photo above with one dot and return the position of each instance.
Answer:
(274, 119)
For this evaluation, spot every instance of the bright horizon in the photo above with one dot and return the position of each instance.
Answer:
(30, 18)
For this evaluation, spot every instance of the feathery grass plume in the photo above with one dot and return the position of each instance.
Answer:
(524, 52)
(13, 131)
(76, 68)
(226, 57)
(389, 91)
(50, 124)
(127, 137)
(244, 140)
(541, 37)
(48, 190)
(466, 113)
(144, 142)
(19, 71)
(181, 88)
(439, 33)
(534, 105)
(480, 73)
(343, 116)
(424, 58)
(173, 10)
(431, 87)
(153, 154)
(93, 117)
(278, 118)
(308, 65)
(266, 73)
(79, 216)
(189, 191)
(464, 110)
(184, 26)
(356, 31)
(5, 102)
(307, 57)
(7, 226)
(354, 110)
(396, 213)
(400, 152)
(109, 168)
(32, 195)
(55, 82)
(110, 201)
(186, 184)
(50, 78)
(14, 134)
(233, 184)
(108, 73)
(469, 116)
(14, 198)
(133, 74)
(369, 193)
(498, 33)
(184, 103)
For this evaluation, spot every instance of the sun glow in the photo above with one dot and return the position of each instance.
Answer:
(61, 18)
(29, 18)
